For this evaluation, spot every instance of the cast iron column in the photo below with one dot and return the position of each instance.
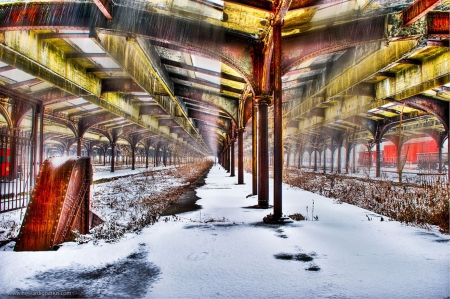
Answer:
(79, 146)
(241, 156)
(133, 158)
(255, 149)
(378, 159)
(232, 158)
(113, 146)
(263, 151)
(325, 160)
(339, 156)
(278, 126)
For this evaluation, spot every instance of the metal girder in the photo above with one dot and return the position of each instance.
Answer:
(85, 55)
(86, 122)
(53, 96)
(220, 87)
(211, 119)
(105, 7)
(305, 46)
(438, 108)
(418, 9)
(130, 57)
(24, 83)
(58, 110)
(229, 106)
(353, 76)
(167, 122)
(120, 85)
(81, 112)
(188, 67)
(196, 36)
(259, 4)
(151, 110)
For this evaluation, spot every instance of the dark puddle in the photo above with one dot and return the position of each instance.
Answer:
(128, 278)
(187, 201)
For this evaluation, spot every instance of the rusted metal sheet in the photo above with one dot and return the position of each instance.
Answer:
(438, 24)
(418, 9)
(59, 204)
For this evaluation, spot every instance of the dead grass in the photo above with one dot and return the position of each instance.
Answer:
(419, 205)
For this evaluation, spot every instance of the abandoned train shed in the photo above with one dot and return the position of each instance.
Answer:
(159, 81)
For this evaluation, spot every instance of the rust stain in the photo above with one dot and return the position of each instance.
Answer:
(59, 204)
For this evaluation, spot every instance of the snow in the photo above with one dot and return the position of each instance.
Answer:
(225, 251)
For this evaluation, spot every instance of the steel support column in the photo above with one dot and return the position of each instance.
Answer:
(340, 156)
(255, 149)
(241, 156)
(278, 147)
(79, 139)
(315, 160)
(133, 157)
(325, 160)
(378, 159)
(113, 149)
(232, 158)
(263, 151)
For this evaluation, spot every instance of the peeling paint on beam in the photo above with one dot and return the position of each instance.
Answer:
(418, 9)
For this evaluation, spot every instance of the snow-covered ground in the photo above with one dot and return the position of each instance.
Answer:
(225, 251)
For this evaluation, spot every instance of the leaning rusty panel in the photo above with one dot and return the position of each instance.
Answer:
(60, 203)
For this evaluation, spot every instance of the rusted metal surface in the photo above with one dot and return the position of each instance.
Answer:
(59, 204)
(418, 9)
(255, 149)
(300, 48)
(263, 150)
(438, 25)
(232, 167)
(241, 156)
(278, 147)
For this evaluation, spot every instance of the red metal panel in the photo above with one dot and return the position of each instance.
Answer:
(438, 24)
(418, 9)
(59, 204)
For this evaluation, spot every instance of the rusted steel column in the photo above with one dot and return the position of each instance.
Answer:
(278, 147)
(241, 156)
(440, 158)
(255, 149)
(113, 149)
(133, 158)
(378, 159)
(263, 151)
(79, 139)
(232, 158)
(448, 155)
(339, 157)
(354, 158)
(315, 160)
(332, 156)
